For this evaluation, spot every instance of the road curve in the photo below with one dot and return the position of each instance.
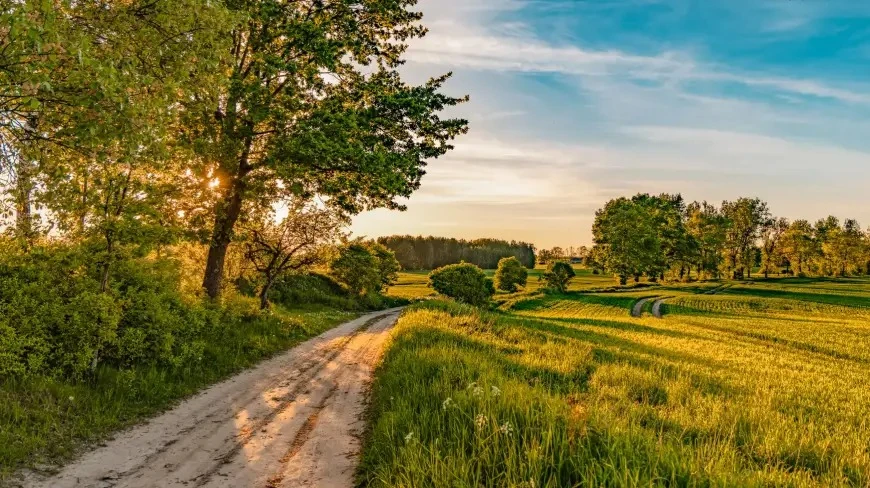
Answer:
(637, 309)
(294, 420)
(657, 308)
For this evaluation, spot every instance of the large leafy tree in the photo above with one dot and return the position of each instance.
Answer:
(745, 218)
(705, 227)
(309, 101)
(629, 242)
(772, 233)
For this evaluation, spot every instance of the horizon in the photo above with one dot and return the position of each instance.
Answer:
(575, 103)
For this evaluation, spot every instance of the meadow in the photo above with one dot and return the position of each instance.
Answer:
(750, 383)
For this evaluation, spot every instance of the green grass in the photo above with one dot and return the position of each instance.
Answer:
(762, 384)
(44, 420)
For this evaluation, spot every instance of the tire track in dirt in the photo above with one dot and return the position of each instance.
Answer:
(292, 419)
(637, 308)
(657, 307)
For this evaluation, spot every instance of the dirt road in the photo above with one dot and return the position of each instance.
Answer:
(291, 421)
(637, 309)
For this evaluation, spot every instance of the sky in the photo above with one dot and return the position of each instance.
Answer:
(575, 102)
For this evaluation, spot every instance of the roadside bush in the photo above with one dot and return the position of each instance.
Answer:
(463, 282)
(558, 276)
(510, 274)
(310, 288)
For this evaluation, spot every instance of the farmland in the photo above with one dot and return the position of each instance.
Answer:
(749, 383)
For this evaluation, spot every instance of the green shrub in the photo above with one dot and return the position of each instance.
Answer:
(510, 274)
(365, 267)
(310, 288)
(463, 282)
(558, 275)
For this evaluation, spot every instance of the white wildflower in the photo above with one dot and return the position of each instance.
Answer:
(495, 391)
(409, 436)
(477, 391)
(446, 403)
(480, 420)
(506, 428)
(71, 398)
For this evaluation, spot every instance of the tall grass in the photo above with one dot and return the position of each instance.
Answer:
(572, 391)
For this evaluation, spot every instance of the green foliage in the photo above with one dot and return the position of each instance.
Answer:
(388, 265)
(510, 274)
(427, 253)
(558, 275)
(464, 282)
(358, 268)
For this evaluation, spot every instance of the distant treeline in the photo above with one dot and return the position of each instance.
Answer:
(420, 252)
(664, 237)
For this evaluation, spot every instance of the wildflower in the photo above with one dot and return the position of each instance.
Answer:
(506, 428)
(495, 391)
(409, 436)
(446, 403)
(480, 420)
(71, 398)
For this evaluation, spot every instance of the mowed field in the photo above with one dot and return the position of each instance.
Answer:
(756, 383)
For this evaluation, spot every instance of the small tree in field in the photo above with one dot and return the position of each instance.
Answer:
(357, 268)
(463, 282)
(295, 243)
(510, 274)
(558, 276)
(388, 265)
(365, 267)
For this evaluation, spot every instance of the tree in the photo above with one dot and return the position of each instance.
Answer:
(627, 238)
(745, 218)
(365, 267)
(771, 245)
(798, 245)
(358, 268)
(91, 107)
(295, 243)
(558, 275)
(706, 227)
(843, 248)
(464, 282)
(312, 103)
(388, 265)
(510, 274)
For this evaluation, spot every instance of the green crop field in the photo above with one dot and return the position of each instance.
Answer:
(756, 383)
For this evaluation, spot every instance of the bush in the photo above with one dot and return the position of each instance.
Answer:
(463, 282)
(558, 276)
(510, 274)
(294, 289)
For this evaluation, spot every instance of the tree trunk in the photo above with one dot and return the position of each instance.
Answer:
(264, 294)
(228, 213)
(104, 279)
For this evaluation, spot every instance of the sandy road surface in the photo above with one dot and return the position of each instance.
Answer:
(637, 309)
(291, 421)
(657, 307)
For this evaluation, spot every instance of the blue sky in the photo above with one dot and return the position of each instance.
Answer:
(574, 102)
